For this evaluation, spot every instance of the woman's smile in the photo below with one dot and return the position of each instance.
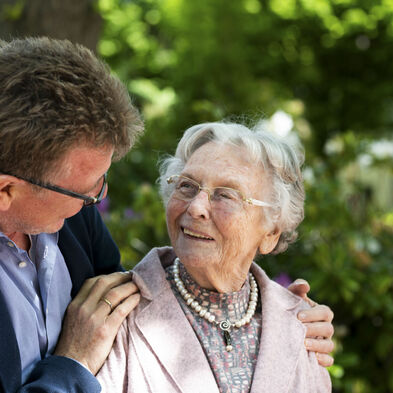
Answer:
(196, 235)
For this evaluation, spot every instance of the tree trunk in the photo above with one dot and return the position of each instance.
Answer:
(76, 20)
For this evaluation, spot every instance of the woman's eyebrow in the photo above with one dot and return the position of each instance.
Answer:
(228, 183)
(185, 174)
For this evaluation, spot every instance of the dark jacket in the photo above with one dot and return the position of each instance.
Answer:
(88, 250)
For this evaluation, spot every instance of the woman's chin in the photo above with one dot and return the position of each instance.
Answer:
(195, 260)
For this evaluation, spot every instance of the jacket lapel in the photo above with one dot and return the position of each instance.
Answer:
(282, 337)
(75, 258)
(163, 324)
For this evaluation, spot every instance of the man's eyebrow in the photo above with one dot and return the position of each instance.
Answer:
(94, 186)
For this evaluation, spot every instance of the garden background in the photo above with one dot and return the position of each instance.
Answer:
(317, 70)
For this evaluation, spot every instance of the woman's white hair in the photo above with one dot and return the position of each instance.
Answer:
(278, 158)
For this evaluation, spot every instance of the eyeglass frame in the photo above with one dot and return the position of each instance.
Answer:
(87, 200)
(250, 201)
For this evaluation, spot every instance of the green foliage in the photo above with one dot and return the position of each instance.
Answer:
(12, 11)
(326, 63)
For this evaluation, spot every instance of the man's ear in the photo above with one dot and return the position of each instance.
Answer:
(269, 241)
(7, 191)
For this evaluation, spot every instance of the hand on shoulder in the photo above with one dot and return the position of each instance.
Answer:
(318, 321)
(94, 317)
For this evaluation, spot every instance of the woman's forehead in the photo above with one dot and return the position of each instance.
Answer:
(220, 154)
(223, 163)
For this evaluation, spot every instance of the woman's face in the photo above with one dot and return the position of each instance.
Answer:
(204, 236)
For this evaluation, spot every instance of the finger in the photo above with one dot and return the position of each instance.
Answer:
(115, 296)
(85, 290)
(324, 360)
(300, 288)
(319, 345)
(310, 302)
(107, 302)
(319, 329)
(318, 313)
(120, 312)
(101, 283)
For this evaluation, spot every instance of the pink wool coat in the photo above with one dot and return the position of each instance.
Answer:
(157, 351)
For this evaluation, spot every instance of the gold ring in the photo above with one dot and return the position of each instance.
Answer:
(104, 299)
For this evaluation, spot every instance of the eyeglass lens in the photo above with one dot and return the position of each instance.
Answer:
(99, 197)
(222, 197)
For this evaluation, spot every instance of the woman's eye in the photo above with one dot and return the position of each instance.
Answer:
(185, 185)
(187, 188)
(225, 194)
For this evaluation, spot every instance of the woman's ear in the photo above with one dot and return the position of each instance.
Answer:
(7, 191)
(269, 241)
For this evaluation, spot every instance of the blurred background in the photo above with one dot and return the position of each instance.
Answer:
(317, 70)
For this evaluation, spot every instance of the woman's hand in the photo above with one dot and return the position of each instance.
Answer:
(318, 320)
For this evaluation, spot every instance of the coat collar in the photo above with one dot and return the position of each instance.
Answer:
(282, 337)
(161, 320)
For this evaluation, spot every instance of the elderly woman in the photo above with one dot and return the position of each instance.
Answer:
(209, 319)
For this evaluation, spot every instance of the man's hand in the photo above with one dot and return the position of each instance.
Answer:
(318, 321)
(91, 323)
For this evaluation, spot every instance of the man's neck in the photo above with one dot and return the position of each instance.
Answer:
(20, 239)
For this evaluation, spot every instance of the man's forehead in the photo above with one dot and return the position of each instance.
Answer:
(83, 160)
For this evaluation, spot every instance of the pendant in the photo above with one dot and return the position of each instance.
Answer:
(225, 326)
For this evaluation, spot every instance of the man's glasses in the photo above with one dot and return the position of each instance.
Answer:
(87, 200)
(224, 198)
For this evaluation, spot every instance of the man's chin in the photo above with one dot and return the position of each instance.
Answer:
(53, 228)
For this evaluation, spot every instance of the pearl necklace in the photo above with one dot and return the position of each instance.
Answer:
(203, 312)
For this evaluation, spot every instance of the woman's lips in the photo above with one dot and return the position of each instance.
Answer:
(197, 235)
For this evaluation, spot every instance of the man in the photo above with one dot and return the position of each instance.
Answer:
(63, 119)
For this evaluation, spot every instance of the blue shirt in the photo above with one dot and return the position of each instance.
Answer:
(37, 289)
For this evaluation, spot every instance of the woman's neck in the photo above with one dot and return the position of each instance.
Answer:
(218, 280)
(231, 305)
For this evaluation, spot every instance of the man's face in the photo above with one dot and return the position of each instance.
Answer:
(81, 171)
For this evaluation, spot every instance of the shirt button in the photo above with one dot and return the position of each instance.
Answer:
(10, 244)
(22, 264)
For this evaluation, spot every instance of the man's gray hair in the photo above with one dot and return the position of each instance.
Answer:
(279, 160)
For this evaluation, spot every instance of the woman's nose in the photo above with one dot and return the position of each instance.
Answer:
(200, 206)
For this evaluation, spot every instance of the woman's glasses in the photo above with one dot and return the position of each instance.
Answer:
(224, 198)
